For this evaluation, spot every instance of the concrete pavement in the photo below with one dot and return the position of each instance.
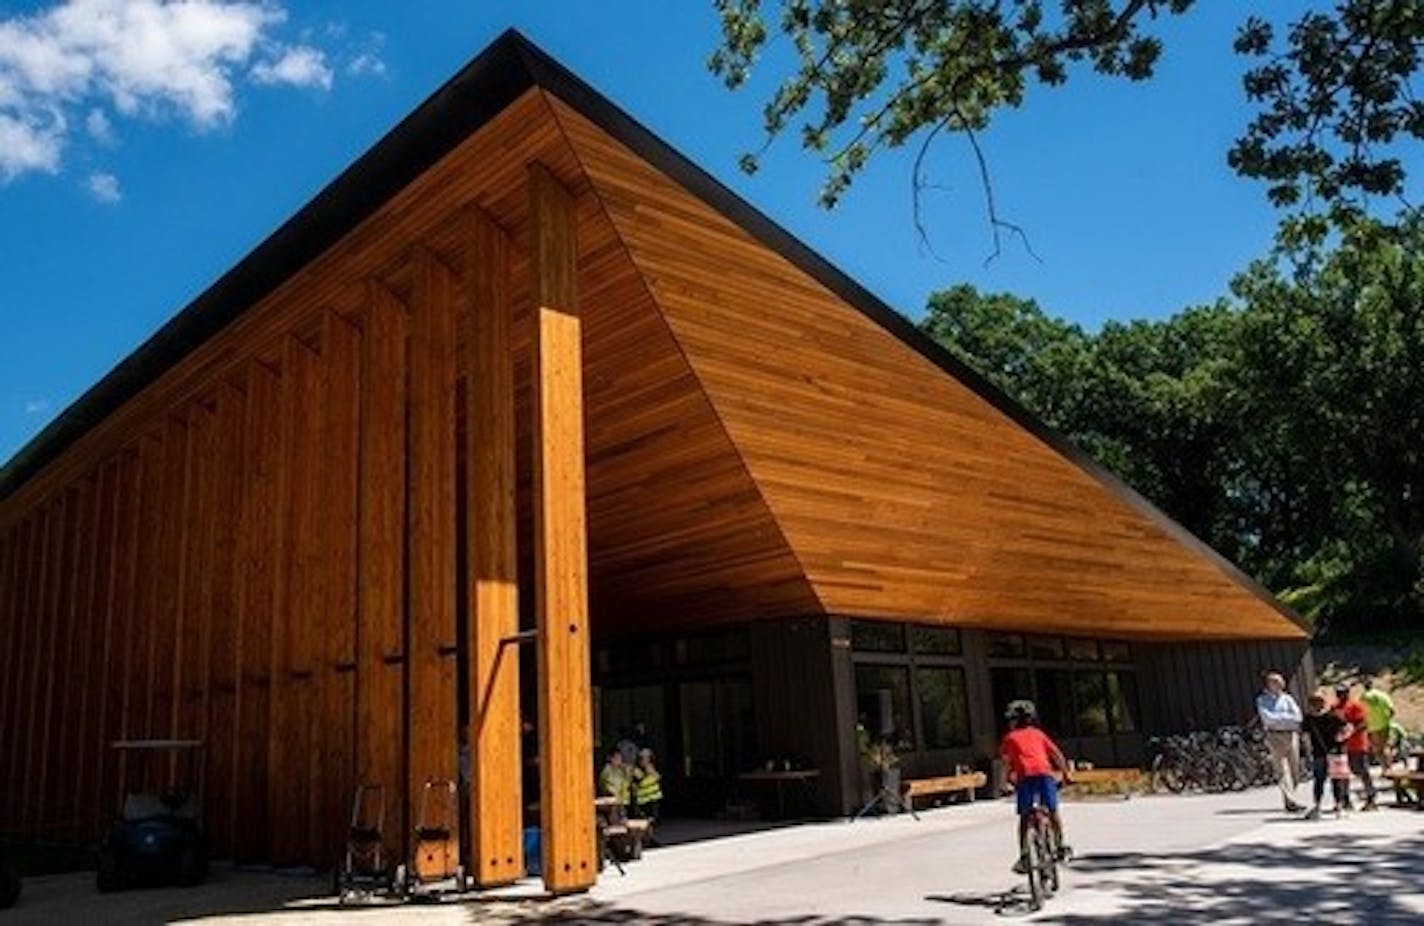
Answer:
(1180, 860)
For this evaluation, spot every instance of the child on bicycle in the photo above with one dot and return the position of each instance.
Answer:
(1031, 756)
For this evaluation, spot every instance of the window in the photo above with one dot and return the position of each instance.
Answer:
(1116, 651)
(877, 637)
(710, 649)
(1090, 697)
(718, 732)
(1054, 698)
(882, 698)
(1006, 644)
(1082, 650)
(935, 641)
(1009, 685)
(1045, 647)
(944, 706)
(1122, 698)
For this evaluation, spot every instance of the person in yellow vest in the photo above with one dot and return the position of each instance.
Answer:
(647, 791)
(615, 779)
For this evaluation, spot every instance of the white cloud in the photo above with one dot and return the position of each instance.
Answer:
(99, 127)
(299, 66)
(143, 59)
(104, 188)
(30, 144)
(366, 63)
(36, 406)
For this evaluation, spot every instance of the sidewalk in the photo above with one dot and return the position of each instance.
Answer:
(1219, 859)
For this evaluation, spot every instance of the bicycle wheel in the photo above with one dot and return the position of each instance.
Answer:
(1036, 853)
(1050, 841)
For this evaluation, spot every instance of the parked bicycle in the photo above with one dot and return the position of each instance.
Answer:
(1226, 759)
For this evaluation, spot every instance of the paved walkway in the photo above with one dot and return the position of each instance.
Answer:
(1179, 860)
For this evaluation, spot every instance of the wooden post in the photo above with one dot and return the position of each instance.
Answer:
(380, 694)
(257, 562)
(433, 723)
(496, 810)
(560, 544)
(341, 357)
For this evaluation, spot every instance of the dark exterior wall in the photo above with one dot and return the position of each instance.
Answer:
(1188, 686)
(804, 695)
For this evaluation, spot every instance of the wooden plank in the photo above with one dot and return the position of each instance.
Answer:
(341, 359)
(496, 810)
(191, 674)
(71, 735)
(560, 543)
(380, 702)
(31, 628)
(258, 545)
(51, 681)
(224, 643)
(432, 717)
(11, 757)
(165, 639)
(139, 716)
(128, 625)
(10, 659)
(97, 732)
(298, 587)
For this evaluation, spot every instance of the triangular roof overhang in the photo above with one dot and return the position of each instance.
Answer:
(479, 92)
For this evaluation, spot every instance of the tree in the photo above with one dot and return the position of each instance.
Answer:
(1335, 99)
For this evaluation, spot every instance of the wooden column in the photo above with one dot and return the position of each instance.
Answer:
(341, 359)
(560, 544)
(432, 718)
(42, 707)
(257, 558)
(297, 588)
(496, 809)
(224, 646)
(380, 636)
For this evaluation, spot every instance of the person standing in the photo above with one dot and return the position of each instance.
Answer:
(1357, 746)
(1379, 717)
(1325, 732)
(1280, 717)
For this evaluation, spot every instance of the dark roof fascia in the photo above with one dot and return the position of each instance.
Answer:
(567, 86)
(480, 91)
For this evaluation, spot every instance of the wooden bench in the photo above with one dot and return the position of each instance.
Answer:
(627, 838)
(1119, 780)
(1404, 782)
(965, 784)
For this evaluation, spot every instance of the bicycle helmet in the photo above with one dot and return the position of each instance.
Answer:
(1020, 709)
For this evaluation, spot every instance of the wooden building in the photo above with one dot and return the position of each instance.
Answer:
(524, 366)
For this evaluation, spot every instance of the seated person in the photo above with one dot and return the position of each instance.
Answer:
(615, 780)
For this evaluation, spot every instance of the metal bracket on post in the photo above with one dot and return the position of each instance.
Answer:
(523, 636)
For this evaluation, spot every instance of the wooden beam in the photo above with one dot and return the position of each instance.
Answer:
(13, 760)
(103, 691)
(42, 710)
(257, 614)
(341, 360)
(496, 810)
(166, 634)
(432, 717)
(380, 694)
(297, 589)
(224, 645)
(75, 734)
(560, 542)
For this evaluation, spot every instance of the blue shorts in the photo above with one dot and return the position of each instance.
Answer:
(1041, 789)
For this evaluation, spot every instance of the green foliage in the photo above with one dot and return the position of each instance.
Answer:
(1332, 89)
(1285, 428)
(871, 74)
(1334, 99)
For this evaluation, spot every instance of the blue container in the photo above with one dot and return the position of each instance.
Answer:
(533, 851)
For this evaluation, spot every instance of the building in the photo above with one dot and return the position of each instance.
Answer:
(524, 366)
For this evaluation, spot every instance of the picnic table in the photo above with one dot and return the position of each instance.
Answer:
(781, 778)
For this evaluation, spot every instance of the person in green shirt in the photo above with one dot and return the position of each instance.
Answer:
(1379, 714)
(615, 780)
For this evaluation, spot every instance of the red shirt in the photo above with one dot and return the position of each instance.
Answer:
(1026, 751)
(1353, 713)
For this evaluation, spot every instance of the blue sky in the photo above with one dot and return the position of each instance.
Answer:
(110, 223)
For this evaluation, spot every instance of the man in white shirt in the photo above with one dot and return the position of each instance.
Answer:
(1280, 717)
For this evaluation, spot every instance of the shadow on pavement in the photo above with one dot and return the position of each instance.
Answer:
(1330, 878)
(599, 914)
(1004, 903)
